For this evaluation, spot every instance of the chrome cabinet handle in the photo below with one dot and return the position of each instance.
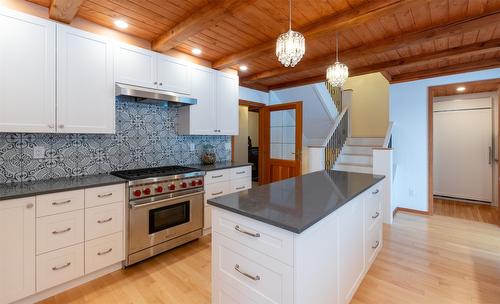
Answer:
(104, 221)
(51, 126)
(217, 193)
(161, 83)
(29, 206)
(239, 188)
(255, 278)
(105, 252)
(375, 192)
(217, 176)
(237, 228)
(55, 268)
(376, 215)
(60, 126)
(61, 203)
(61, 231)
(104, 195)
(490, 155)
(376, 245)
(155, 83)
(240, 172)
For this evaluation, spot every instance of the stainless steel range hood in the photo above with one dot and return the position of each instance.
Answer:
(146, 95)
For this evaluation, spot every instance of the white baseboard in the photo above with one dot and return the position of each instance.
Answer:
(68, 285)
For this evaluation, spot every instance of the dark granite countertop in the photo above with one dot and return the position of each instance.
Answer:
(19, 190)
(297, 203)
(220, 166)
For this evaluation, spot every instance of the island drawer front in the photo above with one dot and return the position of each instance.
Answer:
(55, 203)
(104, 195)
(252, 274)
(224, 293)
(374, 241)
(241, 184)
(103, 252)
(103, 220)
(60, 230)
(216, 190)
(241, 172)
(272, 241)
(217, 176)
(59, 266)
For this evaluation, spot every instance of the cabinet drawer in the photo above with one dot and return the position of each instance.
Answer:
(241, 172)
(241, 184)
(58, 231)
(207, 217)
(104, 195)
(251, 273)
(103, 252)
(373, 207)
(217, 176)
(59, 267)
(103, 220)
(261, 237)
(216, 190)
(373, 243)
(61, 202)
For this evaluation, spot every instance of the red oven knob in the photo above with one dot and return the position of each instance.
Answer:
(184, 185)
(147, 191)
(137, 193)
(200, 182)
(171, 187)
(159, 189)
(193, 183)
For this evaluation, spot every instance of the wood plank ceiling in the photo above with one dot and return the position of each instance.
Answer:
(491, 85)
(403, 39)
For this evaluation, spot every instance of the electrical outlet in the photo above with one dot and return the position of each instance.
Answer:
(191, 147)
(39, 152)
(228, 146)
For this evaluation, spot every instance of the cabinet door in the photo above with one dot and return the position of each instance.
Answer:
(17, 256)
(135, 66)
(200, 118)
(85, 82)
(27, 73)
(227, 104)
(174, 75)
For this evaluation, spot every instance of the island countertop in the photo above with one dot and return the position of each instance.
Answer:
(297, 203)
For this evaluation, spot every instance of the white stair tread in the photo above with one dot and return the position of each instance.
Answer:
(357, 154)
(353, 164)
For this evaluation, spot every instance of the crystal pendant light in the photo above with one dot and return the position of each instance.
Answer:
(337, 73)
(290, 46)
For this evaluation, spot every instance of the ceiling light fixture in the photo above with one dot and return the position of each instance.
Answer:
(290, 46)
(121, 24)
(337, 73)
(460, 89)
(243, 68)
(196, 51)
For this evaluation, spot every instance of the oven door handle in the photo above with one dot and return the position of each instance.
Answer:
(135, 206)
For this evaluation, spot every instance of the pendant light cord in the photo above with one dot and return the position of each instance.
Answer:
(290, 14)
(337, 45)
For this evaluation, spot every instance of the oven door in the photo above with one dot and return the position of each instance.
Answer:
(154, 222)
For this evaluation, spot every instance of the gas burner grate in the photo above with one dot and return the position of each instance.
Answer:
(153, 172)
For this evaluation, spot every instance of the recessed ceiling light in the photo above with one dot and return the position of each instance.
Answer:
(121, 24)
(196, 51)
(460, 89)
(243, 68)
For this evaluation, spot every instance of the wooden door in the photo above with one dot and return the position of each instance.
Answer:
(135, 66)
(27, 73)
(17, 257)
(85, 82)
(280, 143)
(227, 104)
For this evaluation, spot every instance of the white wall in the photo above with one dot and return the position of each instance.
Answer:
(408, 111)
(241, 140)
(254, 95)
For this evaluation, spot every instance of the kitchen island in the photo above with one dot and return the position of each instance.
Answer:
(309, 239)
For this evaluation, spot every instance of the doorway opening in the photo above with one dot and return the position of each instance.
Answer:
(463, 150)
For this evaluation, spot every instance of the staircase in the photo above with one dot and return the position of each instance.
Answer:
(356, 154)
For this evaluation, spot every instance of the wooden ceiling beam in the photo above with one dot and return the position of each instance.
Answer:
(64, 10)
(392, 43)
(202, 19)
(325, 26)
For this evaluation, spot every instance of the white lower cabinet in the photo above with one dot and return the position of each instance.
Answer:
(59, 230)
(59, 266)
(103, 252)
(103, 220)
(17, 254)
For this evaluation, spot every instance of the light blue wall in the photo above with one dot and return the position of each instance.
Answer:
(254, 95)
(408, 111)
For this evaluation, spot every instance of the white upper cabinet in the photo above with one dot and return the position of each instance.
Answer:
(27, 73)
(17, 255)
(227, 104)
(216, 112)
(85, 82)
(173, 75)
(135, 66)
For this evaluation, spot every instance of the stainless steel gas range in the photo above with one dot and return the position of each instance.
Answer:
(165, 209)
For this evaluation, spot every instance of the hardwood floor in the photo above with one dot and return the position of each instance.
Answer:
(427, 260)
(468, 211)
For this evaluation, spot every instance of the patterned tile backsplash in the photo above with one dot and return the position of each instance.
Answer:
(145, 136)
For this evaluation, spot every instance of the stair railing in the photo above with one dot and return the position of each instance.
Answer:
(336, 94)
(337, 138)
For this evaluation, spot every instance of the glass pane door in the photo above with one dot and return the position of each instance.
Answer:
(283, 124)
